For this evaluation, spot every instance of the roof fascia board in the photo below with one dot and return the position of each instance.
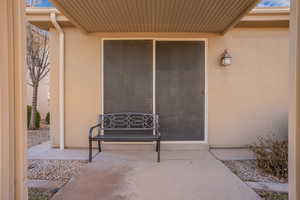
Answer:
(39, 11)
(265, 11)
(266, 18)
(152, 35)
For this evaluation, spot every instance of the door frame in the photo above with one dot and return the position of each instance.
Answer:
(205, 40)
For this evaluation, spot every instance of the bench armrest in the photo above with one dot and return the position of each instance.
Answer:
(91, 130)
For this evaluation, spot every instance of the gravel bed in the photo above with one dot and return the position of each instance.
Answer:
(35, 137)
(273, 195)
(246, 170)
(55, 170)
(52, 170)
(38, 194)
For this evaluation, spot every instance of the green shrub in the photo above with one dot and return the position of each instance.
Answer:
(37, 120)
(48, 118)
(37, 117)
(29, 108)
(272, 156)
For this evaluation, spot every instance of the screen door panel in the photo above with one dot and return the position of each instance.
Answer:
(180, 89)
(128, 76)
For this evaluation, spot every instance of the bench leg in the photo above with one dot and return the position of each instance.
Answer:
(157, 146)
(158, 151)
(99, 145)
(90, 150)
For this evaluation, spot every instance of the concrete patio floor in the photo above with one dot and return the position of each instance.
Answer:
(233, 154)
(134, 175)
(44, 151)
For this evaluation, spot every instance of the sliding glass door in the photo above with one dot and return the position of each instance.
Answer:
(128, 76)
(176, 72)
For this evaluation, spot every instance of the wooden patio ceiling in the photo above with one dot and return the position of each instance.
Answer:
(190, 16)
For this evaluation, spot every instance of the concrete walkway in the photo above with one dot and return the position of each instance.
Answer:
(272, 187)
(233, 154)
(132, 175)
(44, 151)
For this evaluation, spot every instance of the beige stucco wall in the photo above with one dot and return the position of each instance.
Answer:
(54, 92)
(249, 98)
(245, 100)
(82, 86)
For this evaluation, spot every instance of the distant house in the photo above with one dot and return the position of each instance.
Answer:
(168, 59)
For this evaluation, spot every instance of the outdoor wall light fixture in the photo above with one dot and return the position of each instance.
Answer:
(226, 59)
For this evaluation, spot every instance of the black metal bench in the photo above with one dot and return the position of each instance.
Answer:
(126, 127)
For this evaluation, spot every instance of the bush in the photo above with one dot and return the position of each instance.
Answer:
(29, 108)
(37, 120)
(37, 117)
(48, 118)
(272, 156)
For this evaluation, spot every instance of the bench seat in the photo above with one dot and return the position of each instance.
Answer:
(126, 137)
(126, 127)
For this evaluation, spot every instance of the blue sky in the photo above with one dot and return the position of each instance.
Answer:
(274, 3)
(45, 3)
(264, 3)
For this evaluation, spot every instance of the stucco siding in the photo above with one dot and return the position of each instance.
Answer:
(250, 97)
(82, 86)
(245, 100)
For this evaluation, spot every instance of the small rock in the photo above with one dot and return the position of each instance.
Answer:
(54, 170)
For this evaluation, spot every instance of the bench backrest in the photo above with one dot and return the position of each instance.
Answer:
(128, 121)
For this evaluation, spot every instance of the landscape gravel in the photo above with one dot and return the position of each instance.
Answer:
(55, 170)
(38, 194)
(35, 137)
(247, 171)
(273, 195)
(60, 171)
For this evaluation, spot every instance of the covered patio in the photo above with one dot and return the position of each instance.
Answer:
(131, 175)
(118, 64)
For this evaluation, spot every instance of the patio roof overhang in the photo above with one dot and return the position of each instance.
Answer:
(181, 16)
(258, 17)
